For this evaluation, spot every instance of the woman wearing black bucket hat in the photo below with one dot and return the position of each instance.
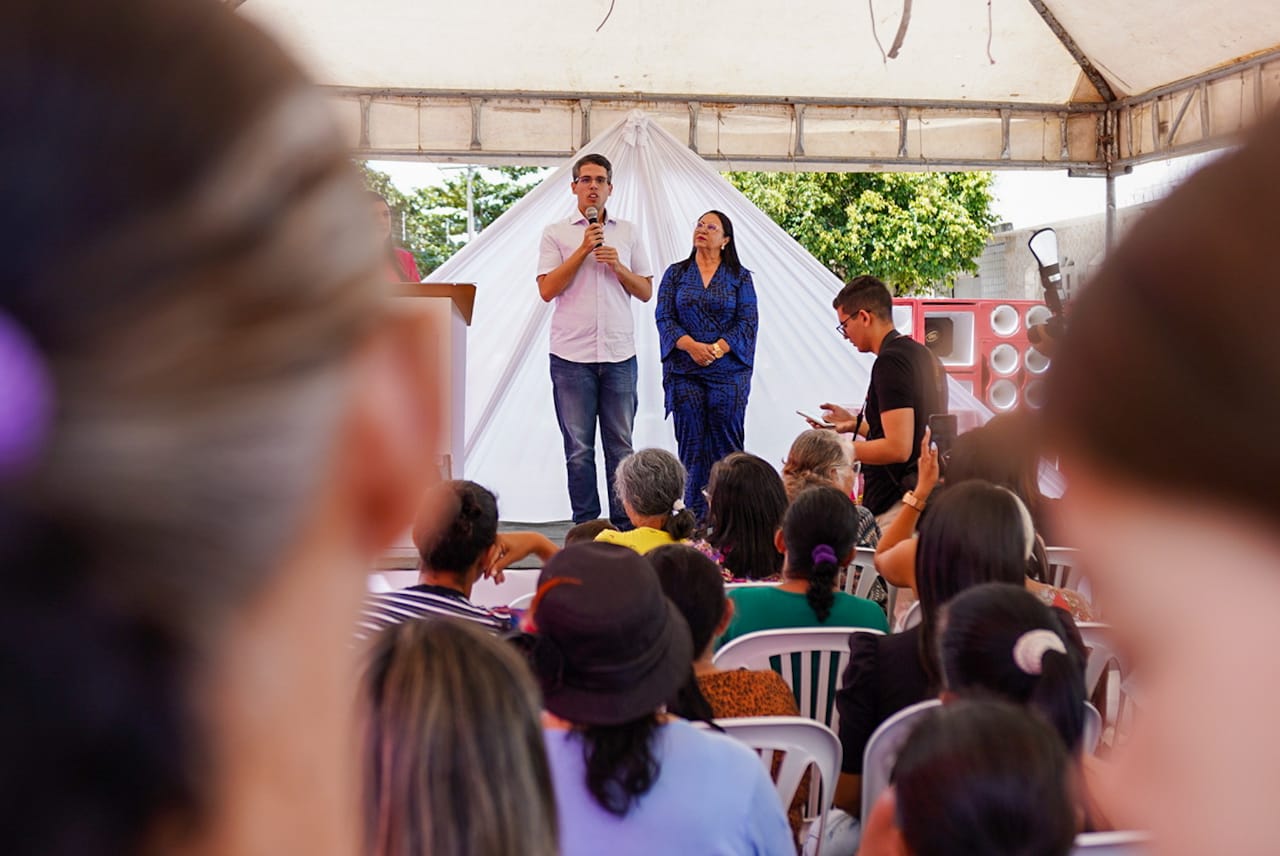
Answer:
(609, 650)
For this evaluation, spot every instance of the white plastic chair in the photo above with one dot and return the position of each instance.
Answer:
(882, 750)
(802, 743)
(862, 572)
(913, 617)
(1092, 729)
(1124, 843)
(1118, 708)
(1066, 571)
(810, 659)
(882, 747)
(862, 575)
(523, 601)
(516, 583)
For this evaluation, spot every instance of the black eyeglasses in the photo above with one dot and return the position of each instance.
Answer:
(587, 180)
(840, 328)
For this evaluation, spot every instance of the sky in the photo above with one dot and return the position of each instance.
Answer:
(1023, 198)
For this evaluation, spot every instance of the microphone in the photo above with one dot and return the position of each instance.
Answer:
(593, 217)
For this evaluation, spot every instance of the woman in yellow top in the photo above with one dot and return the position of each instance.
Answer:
(650, 484)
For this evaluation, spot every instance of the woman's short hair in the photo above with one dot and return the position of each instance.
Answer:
(744, 510)
(652, 482)
(984, 777)
(1000, 639)
(819, 530)
(457, 523)
(454, 760)
(816, 456)
(973, 532)
(189, 288)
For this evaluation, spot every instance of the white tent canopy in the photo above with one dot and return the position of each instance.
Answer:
(513, 444)
(806, 84)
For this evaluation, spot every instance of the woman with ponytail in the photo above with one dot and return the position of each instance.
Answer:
(972, 533)
(999, 639)
(817, 539)
(650, 484)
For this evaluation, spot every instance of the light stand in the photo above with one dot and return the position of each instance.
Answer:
(1044, 246)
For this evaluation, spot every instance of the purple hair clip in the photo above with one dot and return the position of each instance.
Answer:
(824, 553)
(26, 398)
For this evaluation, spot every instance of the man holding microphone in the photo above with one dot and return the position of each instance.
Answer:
(591, 265)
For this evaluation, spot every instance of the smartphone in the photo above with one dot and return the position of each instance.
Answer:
(823, 422)
(942, 426)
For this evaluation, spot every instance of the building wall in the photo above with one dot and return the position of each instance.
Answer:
(1007, 270)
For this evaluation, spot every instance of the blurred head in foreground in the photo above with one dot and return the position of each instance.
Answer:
(1163, 403)
(210, 422)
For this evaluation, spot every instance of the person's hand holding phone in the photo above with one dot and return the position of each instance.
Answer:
(928, 470)
(815, 422)
(844, 421)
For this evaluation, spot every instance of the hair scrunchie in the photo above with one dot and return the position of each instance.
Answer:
(677, 506)
(1029, 650)
(26, 397)
(824, 553)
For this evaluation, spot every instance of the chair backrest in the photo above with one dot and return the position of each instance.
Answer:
(810, 659)
(1092, 729)
(1107, 679)
(862, 572)
(882, 750)
(377, 584)
(1123, 843)
(802, 744)
(913, 617)
(861, 576)
(1066, 571)
(523, 601)
(518, 582)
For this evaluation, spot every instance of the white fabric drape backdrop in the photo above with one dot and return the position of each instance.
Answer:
(513, 444)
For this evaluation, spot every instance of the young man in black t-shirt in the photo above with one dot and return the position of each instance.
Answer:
(907, 387)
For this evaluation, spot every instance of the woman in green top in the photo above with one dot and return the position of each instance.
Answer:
(817, 537)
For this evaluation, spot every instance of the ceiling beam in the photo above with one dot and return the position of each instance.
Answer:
(1090, 70)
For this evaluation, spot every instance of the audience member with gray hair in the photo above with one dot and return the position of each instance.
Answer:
(650, 484)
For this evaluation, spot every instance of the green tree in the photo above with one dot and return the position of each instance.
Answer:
(910, 229)
(435, 218)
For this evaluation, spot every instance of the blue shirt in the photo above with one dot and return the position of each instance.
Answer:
(712, 797)
(724, 309)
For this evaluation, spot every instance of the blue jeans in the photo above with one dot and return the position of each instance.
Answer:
(585, 393)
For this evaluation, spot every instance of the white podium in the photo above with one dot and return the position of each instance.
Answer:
(450, 306)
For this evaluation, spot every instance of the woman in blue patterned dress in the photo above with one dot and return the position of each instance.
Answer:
(707, 323)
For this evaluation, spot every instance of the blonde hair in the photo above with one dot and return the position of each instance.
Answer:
(455, 763)
(813, 460)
